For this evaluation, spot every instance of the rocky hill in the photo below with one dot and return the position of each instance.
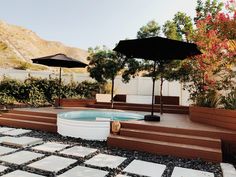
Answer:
(18, 45)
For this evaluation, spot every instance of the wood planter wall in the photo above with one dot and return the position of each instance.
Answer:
(212, 116)
(76, 102)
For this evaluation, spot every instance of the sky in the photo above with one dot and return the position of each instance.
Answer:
(90, 23)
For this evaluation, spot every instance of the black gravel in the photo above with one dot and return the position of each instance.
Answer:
(169, 161)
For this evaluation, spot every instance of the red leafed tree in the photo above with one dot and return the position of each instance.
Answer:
(213, 73)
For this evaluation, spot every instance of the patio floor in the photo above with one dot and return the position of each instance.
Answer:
(167, 120)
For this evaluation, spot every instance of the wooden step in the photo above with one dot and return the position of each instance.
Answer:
(165, 148)
(35, 113)
(139, 125)
(49, 127)
(172, 137)
(30, 117)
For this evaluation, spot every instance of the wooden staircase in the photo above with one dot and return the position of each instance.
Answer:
(142, 107)
(32, 120)
(168, 141)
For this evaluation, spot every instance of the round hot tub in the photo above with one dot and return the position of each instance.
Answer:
(90, 125)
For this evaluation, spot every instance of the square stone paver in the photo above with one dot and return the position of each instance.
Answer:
(19, 173)
(185, 172)
(22, 141)
(78, 151)
(16, 132)
(52, 163)
(104, 160)
(4, 129)
(5, 150)
(228, 169)
(2, 168)
(80, 171)
(4, 138)
(20, 157)
(50, 147)
(140, 167)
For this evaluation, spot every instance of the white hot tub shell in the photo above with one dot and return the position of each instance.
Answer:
(90, 125)
(89, 130)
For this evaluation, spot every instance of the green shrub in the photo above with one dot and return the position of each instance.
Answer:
(87, 89)
(211, 99)
(106, 88)
(39, 92)
(6, 100)
(229, 101)
(36, 98)
(69, 91)
(48, 87)
(10, 87)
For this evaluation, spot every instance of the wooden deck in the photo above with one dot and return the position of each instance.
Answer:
(167, 120)
(174, 135)
(181, 121)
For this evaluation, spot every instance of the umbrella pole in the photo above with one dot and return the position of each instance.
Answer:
(153, 87)
(161, 88)
(59, 90)
(153, 117)
(161, 101)
(112, 93)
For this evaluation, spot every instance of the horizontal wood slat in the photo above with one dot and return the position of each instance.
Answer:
(172, 137)
(29, 119)
(216, 117)
(163, 148)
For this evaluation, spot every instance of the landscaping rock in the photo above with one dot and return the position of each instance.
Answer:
(169, 161)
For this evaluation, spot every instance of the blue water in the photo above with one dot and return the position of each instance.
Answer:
(90, 115)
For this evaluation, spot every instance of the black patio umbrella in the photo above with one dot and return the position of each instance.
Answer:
(161, 51)
(59, 60)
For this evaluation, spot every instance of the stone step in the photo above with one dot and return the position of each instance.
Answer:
(165, 148)
(30, 117)
(35, 113)
(172, 137)
(49, 127)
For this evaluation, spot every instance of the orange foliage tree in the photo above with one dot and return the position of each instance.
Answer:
(213, 73)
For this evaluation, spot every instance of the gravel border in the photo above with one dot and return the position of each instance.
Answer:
(169, 161)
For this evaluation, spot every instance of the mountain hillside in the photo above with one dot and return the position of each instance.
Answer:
(18, 45)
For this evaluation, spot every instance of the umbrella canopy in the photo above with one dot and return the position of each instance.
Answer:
(160, 50)
(59, 60)
(157, 49)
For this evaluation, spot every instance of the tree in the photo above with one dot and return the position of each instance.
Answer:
(149, 30)
(179, 28)
(213, 73)
(158, 69)
(134, 66)
(211, 8)
(184, 25)
(104, 64)
(170, 30)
